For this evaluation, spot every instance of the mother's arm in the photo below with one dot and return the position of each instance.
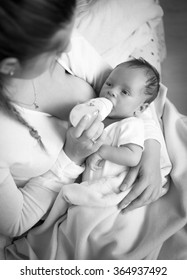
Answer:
(22, 208)
(145, 179)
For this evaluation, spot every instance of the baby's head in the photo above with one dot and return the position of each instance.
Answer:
(131, 87)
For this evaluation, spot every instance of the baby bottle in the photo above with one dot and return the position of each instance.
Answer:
(101, 104)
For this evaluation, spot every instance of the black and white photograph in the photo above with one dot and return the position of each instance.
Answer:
(93, 141)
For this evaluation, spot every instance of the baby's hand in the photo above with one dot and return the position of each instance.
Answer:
(94, 161)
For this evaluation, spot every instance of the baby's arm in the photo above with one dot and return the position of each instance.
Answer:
(126, 149)
(127, 155)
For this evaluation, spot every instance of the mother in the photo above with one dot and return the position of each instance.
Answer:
(36, 94)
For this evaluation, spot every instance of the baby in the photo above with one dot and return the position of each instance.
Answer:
(97, 219)
(128, 90)
(131, 87)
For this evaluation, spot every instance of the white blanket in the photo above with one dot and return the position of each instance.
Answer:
(156, 231)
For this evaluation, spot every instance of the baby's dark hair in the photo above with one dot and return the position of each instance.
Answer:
(152, 85)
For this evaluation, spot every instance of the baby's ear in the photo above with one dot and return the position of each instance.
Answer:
(141, 109)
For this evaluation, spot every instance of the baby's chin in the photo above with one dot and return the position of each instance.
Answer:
(113, 115)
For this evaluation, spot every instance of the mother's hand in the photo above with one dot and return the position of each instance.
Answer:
(145, 179)
(82, 141)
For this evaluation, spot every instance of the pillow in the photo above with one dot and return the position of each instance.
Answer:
(109, 25)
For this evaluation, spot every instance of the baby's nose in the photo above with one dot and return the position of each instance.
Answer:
(113, 92)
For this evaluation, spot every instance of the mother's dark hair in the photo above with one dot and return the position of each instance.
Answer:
(26, 27)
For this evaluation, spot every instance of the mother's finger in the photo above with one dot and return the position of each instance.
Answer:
(100, 141)
(130, 178)
(95, 129)
(137, 189)
(83, 124)
(137, 203)
(99, 134)
(142, 200)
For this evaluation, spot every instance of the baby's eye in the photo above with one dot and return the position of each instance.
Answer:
(108, 84)
(125, 92)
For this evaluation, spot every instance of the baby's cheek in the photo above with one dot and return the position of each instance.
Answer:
(101, 94)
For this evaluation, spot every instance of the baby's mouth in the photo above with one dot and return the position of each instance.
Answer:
(109, 98)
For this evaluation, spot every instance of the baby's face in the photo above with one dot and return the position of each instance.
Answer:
(125, 89)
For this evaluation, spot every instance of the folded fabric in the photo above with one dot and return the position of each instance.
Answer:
(103, 192)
